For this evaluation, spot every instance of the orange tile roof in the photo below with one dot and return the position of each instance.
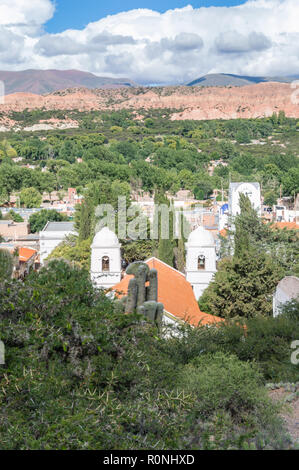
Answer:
(223, 232)
(288, 225)
(175, 293)
(25, 254)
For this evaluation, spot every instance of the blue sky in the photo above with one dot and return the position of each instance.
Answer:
(76, 14)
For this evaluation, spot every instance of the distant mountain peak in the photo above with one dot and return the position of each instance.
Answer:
(42, 82)
(229, 79)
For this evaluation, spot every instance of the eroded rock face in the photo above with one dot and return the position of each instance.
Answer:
(197, 103)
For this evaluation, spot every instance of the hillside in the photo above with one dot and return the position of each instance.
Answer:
(195, 103)
(48, 81)
(228, 79)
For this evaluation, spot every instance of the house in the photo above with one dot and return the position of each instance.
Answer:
(175, 293)
(27, 261)
(13, 230)
(52, 235)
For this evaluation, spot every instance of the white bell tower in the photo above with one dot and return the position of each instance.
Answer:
(201, 260)
(105, 268)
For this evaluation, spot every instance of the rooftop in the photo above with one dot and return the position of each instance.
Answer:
(25, 254)
(235, 185)
(287, 225)
(200, 237)
(59, 227)
(105, 238)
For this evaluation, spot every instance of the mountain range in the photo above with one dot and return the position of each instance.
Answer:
(228, 79)
(41, 82)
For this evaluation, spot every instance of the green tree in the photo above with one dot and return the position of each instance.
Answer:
(165, 229)
(12, 215)
(6, 265)
(30, 198)
(244, 284)
(38, 220)
(84, 218)
(270, 198)
(242, 287)
(76, 251)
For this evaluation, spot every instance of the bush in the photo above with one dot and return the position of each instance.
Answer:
(80, 375)
(266, 341)
(230, 397)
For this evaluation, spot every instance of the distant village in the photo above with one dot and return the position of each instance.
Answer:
(208, 220)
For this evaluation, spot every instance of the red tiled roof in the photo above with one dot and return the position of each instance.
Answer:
(223, 232)
(288, 225)
(25, 254)
(175, 293)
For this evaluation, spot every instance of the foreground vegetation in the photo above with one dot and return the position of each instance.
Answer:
(79, 375)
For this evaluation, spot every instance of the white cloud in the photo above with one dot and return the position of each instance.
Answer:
(26, 15)
(233, 42)
(259, 37)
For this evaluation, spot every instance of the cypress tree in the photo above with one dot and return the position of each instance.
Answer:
(6, 265)
(85, 219)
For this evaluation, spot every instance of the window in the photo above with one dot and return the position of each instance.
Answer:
(105, 264)
(201, 262)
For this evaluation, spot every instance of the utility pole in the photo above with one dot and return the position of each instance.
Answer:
(222, 190)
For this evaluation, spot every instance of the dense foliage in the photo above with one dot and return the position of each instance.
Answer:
(154, 152)
(39, 219)
(79, 375)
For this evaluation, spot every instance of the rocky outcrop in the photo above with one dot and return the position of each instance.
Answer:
(197, 103)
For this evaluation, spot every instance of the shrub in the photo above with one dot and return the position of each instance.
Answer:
(230, 399)
(266, 341)
(80, 375)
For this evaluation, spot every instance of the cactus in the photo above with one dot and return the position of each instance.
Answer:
(148, 309)
(141, 297)
(141, 278)
(152, 290)
(131, 301)
(159, 315)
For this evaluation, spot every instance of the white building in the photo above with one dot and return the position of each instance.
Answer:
(105, 259)
(252, 190)
(223, 217)
(52, 235)
(200, 260)
(286, 291)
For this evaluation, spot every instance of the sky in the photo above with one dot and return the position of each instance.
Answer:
(77, 13)
(152, 41)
